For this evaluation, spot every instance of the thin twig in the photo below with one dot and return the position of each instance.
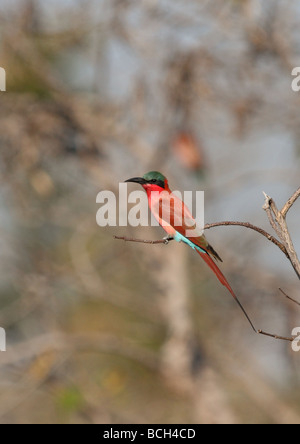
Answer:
(143, 241)
(288, 297)
(290, 203)
(271, 335)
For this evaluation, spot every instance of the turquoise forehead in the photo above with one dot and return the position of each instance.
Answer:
(154, 175)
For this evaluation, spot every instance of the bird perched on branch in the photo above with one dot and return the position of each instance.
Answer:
(178, 222)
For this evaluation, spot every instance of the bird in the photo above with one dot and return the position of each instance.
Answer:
(177, 221)
(189, 151)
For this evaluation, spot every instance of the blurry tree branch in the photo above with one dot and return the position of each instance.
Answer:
(92, 281)
(101, 343)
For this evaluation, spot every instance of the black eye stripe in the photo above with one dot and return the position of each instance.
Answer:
(158, 182)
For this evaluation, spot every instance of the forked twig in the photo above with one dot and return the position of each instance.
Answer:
(275, 336)
(277, 220)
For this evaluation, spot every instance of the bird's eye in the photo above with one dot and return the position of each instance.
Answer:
(153, 180)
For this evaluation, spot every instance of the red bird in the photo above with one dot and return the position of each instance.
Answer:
(176, 219)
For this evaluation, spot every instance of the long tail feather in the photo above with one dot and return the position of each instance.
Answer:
(224, 282)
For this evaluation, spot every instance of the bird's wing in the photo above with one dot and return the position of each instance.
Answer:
(173, 215)
(171, 212)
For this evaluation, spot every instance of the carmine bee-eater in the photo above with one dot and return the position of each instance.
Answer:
(178, 222)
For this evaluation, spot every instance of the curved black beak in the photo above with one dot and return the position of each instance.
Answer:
(139, 180)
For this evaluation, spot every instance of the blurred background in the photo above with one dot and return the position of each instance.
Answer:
(99, 331)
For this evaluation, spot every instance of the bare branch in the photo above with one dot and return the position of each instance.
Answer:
(252, 227)
(278, 222)
(281, 338)
(275, 336)
(270, 208)
(143, 241)
(288, 297)
(290, 203)
(207, 227)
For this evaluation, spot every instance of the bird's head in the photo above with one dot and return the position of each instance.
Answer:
(151, 181)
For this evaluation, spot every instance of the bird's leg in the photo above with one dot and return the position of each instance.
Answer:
(167, 239)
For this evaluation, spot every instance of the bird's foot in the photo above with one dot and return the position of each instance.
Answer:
(167, 239)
